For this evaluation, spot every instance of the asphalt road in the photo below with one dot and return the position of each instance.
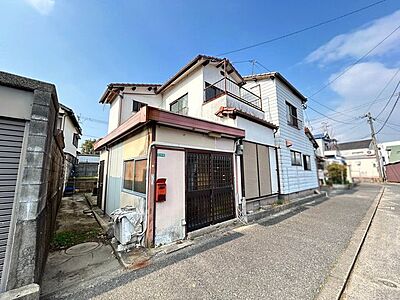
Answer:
(376, 274)
(287, 257)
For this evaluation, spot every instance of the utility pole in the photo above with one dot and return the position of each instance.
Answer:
(375, 144)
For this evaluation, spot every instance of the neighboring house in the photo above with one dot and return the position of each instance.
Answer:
(207, 134)
(88, 165)
(69, 125)
(327, 153)
(360, 157)
(283, 105)
(390, 152)
(31, 172)
(86, 174)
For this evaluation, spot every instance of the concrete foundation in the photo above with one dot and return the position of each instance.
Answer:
(299, 194)
(256, 204)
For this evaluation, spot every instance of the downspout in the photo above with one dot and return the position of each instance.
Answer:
(277, 163)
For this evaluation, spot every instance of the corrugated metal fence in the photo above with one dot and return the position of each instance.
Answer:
(393, 172)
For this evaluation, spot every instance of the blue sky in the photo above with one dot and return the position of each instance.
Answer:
(81, 46)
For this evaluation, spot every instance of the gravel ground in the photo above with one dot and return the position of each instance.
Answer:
(287, 257)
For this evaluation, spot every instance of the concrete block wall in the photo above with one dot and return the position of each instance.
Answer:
(40, 192)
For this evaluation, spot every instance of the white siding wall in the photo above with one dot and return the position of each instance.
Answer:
(293, 178)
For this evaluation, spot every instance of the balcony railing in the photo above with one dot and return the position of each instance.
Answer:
(226, 86)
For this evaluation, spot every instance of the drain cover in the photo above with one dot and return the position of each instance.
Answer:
(81, 249)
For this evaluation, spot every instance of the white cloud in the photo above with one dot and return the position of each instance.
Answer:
(355, 44)
(359, 87)
(44, 7)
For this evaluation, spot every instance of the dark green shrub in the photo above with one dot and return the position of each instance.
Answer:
(337, 173)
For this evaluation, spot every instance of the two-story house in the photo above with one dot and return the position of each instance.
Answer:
(283, 105)
(69, 125)
(196, 150)
(203, 135)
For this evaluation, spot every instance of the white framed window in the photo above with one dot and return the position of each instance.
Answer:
(291, 112)
(295, 158)
(180, 106)
(306, 162)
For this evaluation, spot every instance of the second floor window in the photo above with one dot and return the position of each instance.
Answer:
(136, 106)
(180, 106)
(307, 162)
(292, 115)
(295, 158)
(212, 91)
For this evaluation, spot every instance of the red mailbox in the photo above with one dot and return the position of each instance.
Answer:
(161, 189)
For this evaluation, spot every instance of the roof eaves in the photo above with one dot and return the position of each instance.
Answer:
(71, 114)
(278, 75)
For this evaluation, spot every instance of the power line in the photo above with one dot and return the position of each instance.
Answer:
(84, 118)
(353, 108)
(384, 88)
(390, 114)
(327, 116)
(389, 100)
(303, 29)
(356, 62)
(261, 65)
(344, 72)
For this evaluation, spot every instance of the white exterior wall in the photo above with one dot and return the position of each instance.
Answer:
(141, 94)
(16, 103)
(363, 167)
(191, 85)
(170, 214)
(114, 114)
(69, 130)
(187, 139)
(293, 178)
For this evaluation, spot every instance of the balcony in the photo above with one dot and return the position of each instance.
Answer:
(226, 86)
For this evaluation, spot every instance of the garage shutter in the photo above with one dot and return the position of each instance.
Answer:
(11, 137)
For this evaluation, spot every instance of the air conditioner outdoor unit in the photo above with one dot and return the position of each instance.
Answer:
(127, 224)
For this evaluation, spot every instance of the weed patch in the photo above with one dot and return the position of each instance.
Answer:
(66, 239)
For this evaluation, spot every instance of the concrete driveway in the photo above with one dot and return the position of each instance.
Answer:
(287, 257)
